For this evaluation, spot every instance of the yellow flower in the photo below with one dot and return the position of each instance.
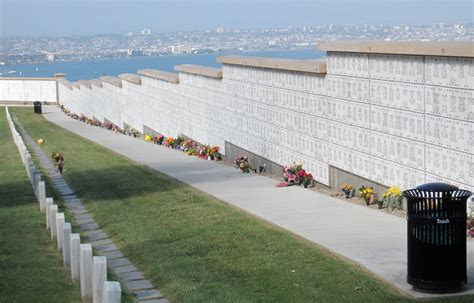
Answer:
(393, 191)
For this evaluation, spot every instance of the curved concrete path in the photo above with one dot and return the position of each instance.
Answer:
(375, 240)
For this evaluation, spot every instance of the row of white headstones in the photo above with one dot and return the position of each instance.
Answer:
(89, 270)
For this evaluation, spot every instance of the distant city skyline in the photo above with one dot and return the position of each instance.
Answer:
(77, 17)
(146, 43)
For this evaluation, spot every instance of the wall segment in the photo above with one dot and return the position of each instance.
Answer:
(18, 90)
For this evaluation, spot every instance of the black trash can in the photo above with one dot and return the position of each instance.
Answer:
(37, 107)
(436, 214)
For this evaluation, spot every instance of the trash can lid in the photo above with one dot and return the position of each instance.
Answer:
(437, 186)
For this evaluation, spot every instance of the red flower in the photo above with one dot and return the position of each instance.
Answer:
(302, 173)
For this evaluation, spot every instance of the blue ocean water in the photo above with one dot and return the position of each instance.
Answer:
(89, 69)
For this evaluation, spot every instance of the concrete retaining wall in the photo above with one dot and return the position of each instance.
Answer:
(393, 118)
(26, 90)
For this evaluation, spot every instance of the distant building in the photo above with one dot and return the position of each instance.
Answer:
(178, 49)
(185, 49)
(134, 53)
(50, 57)
(220, 30)
(146, 32)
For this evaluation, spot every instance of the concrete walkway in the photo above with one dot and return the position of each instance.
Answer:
(130, 277)
(375, 240)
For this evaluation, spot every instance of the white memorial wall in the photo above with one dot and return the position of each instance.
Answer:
(27, 90)
(394, 119)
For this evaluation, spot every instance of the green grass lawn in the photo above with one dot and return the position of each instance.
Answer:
(194, 247)
(31, 268)
(51, 192)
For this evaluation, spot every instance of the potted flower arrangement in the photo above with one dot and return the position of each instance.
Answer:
(347, 189)
(56, 156)
(212, 152)
(295, 174)
(178, 141)
(107, 125)
(89, 121)
(301, 175)
(169, 142)
(132, 132)
(203, 152)
(158, 139)
(191, 152)
(117, 129)
(470, 220)
(189, 147)
(470, 227)
(393, 197)
(242, 163)
(307, 180)
(366, 194)
(289, 174)
(97, 123)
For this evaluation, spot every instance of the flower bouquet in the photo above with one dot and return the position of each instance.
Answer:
(366, 193)
(471, 232)
(296, 175)
(243, 164)
(189, 147)
(191, 152)
(470, 220)
(108, 125)
(117, 129)
(203, 152)
(177, 142)
(307, 180)
(133, 132)
(289, 174)
(55, 155)
(213, 153)
(169, 142)
(347, 189)
(393, 197)
(158, 139)
(470, 227)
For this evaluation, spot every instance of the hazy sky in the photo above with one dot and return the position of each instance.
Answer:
(71, 17)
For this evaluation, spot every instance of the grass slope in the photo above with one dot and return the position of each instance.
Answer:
(194, 247)
(51, 192)
(31, 268)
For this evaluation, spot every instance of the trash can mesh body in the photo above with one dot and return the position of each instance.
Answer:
(436, 238)
(37, 107)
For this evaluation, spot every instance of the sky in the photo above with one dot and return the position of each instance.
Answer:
(85, 17)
